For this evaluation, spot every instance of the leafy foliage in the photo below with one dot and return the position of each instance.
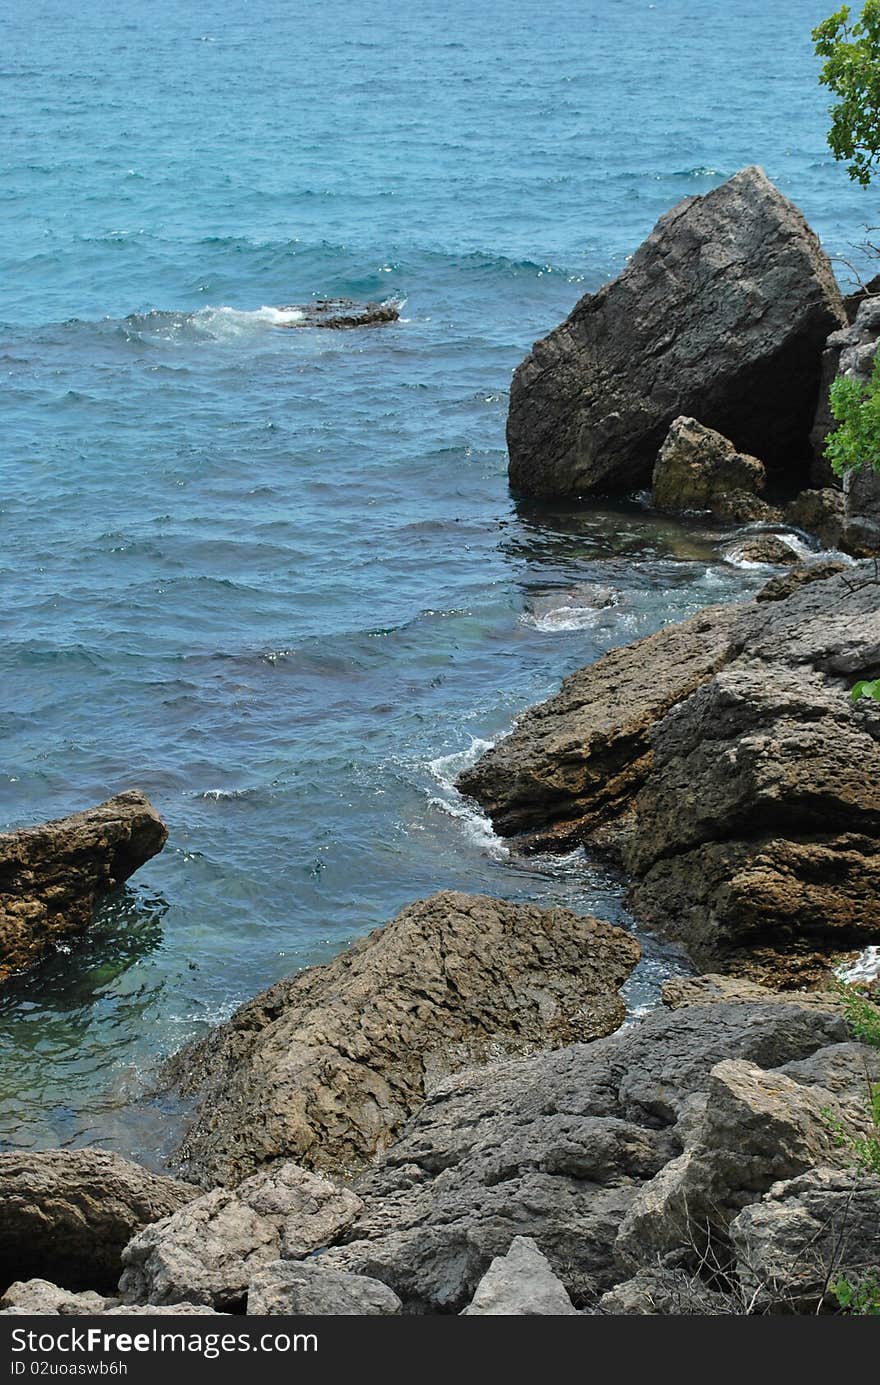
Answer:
(856, 407)
(859, 1296)
(863, 1016)
(851, 70)
(868, 687)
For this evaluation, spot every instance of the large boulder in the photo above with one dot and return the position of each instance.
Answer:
(66, 1215)
(208, 1251)
(51, 876)
(803, 1235)
(326, 1066)
(555, 1147)
(722, 314)
(699, 470)
(724, 765)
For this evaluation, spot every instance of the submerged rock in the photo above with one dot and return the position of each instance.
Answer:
(518, 1284)
(722, 762)
(722, 314)
(326, 1066)
(51, 876)
(341, 314)
(770, 549)
(699, 470)
(66, 1215)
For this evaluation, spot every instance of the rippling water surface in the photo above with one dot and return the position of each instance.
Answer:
(274, 577)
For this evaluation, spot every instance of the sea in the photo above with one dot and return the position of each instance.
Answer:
(273, 575)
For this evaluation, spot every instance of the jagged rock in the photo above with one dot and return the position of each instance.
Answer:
(341, 314)
(69, 1213)
(804, 1233)
(698, 469)
(310, 1289)
(786, 583)
(818, 512)
(555, 1147)
(574, 762)
(771, 549)
(52, 875)
(722, 314)
(518, 1284)
(209, 1250)
(724, 765)
(38, 1296)
(327, 1065)
(660, 1290)
(737, 990)
(755, 1128)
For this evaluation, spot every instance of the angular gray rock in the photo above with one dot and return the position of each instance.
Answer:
(861, 523)
(658, 1290)
(39, 1296)
(805, 1233)
(68, 1214)
(311, 1289)
(520, 1284)
(699, 470)
(755, 1128)
(327, 1065)
(209, 1250)
(51, 876)
(556, 1147)
(722, 314)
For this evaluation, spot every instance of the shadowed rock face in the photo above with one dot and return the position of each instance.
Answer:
(342, 313)
(326, 1066)
(722, 314)
(68, 1214)
(724, 765)
(51, 876)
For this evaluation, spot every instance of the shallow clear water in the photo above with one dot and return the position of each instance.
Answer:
(274, 577)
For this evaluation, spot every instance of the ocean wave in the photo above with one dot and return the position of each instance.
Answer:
(445, 769)
(735, 557)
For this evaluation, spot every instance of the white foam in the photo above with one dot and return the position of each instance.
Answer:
(236, 322)
(734, 554)
(866, 967)
(477, 826)
(563, 618)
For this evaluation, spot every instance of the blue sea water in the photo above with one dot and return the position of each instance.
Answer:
(274, 577)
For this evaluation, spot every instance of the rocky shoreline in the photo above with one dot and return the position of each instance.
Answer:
(452, 1116)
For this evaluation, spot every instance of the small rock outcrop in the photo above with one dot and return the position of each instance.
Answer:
(520, 1284)
(51, 876)
(326, 1066)
(805, 1233)
(769, 550)
(722, 315)
(68, 1214)
(311, 1290)
(722, 763)
(699, 470)
(341, 314)
(208, 1251)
